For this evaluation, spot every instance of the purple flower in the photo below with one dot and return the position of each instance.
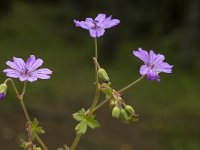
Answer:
(27, 71)
(98, 25)
(2, 96)
(3, 90)
(153, 64)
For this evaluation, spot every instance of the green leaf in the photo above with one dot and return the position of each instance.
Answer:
(81, 128)
(92, 123)
(80, 115)
(24, 144)
(36, 129)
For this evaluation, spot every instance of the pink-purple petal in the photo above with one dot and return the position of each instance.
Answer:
(159, 59)
(142, 54)
(100, 32)
(43, 71)
(13, 65)
(111, 23)
(164, 67)
(81, 24)
(144, 70)
(38, 62)
(93, 33)
(30, 61)
(100, 18)
(31, 79)
(11, 73)
(152, 56)
(41, 75)
(19, 63)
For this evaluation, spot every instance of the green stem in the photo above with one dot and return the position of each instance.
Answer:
(101, 104)
(96, 97)
(21, 100)
(97, 92)
(24, 109)
(96, 50)
(120, 91)
(130, 85)
(13, 84)
(75, 142)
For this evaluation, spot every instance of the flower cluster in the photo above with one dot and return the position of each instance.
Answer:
(29, 71)
(153, 63)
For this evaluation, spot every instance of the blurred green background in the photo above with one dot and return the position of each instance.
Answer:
(169, 110)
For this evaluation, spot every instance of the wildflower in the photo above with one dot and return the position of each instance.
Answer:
(153, 64)
(98, 25)
(27, 71)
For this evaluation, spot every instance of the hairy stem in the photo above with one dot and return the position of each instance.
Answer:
(13, 84)
(97, 92)
(96, 97)
(21, 100)
(131, 84)
(120, 91)
(75, 142)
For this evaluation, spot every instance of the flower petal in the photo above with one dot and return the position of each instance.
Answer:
(41, 76)
(144, 69)
(13, 65)
(100, 18)
(43, 73)
(164, 67)
(110, 23)
(100, 32)
(152, 57)
(159, 59)
(11, 73)
(151, 75)
(30, 61)
(31, 79)
(37, 63)
(19, 62)
(23, 78)
(142, 54)
(81, 24)
(93, 33)
(87, 24)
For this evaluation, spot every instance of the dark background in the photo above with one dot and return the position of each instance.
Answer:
(169, 110)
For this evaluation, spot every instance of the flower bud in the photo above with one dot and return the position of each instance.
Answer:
(103, 75)
(116, 112)
(106, 89)
(37, 148)
(3, 90)
(129, 109)
(112, 103)
(124, 115)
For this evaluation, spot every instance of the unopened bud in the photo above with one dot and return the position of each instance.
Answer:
(124, 115)
(37, 148)
(3, 90)
(112, 103)
(103, 75)
(116, 112)
(129, 109)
